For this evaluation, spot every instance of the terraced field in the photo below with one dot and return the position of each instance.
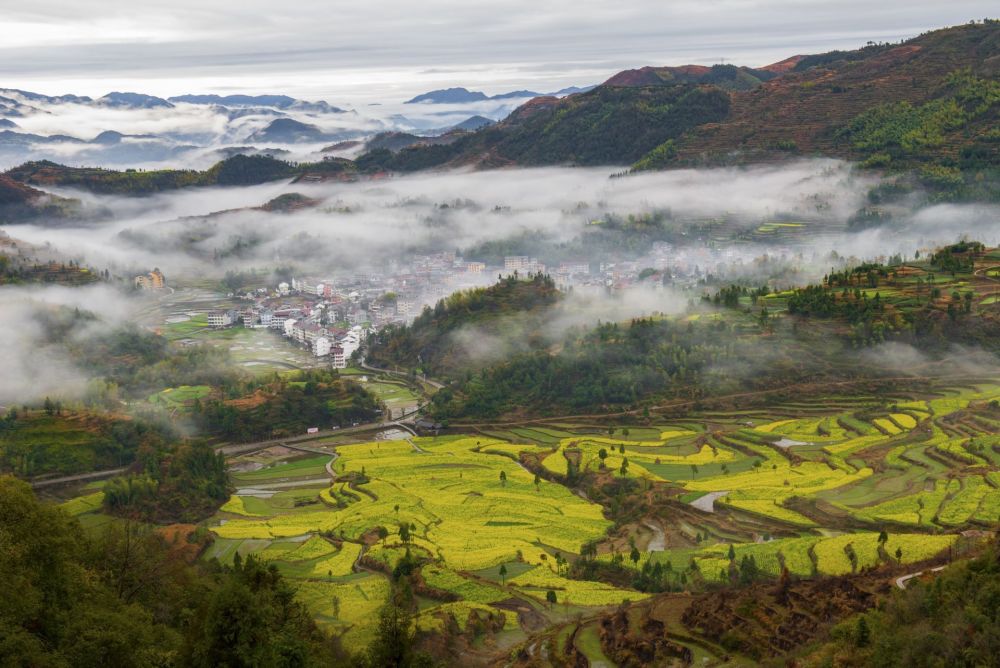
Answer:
(806, 485)
(458, 511)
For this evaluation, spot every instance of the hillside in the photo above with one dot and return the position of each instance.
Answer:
(467, 326)
(760, 342)
(729, 77)
(607, 125)
(928, 103)
(817, 105)
(20, 202)
(239, 170)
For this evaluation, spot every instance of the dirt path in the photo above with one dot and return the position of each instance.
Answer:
(93, 475)
(706, 503)
(659, 540)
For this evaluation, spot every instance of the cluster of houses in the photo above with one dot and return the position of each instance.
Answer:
(154, 280)
(331, 317)
(303, 326)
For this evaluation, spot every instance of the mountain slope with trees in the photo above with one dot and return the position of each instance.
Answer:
(929, 103)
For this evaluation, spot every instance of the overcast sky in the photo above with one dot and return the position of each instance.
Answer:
(388, 50)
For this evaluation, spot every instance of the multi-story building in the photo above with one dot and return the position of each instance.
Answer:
(321, 346)
(219, 319)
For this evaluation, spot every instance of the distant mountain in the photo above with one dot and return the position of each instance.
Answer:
(279, 101)
(6, 123)
(26, 138)
(572, 90)
(111, 137)
(288, 131)
(449, 96)
(464, 95)
(472, 123)
(133, 101)
(28, 96)
(515, 94)
(276, 101)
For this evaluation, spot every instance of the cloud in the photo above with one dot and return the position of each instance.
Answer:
(391, 50)
(364, 225)
(31, 368)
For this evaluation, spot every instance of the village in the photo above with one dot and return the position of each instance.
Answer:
(330, 316)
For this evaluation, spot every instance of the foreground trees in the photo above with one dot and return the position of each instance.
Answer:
(131, 597)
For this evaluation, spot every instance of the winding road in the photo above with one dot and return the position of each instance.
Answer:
(903, 580)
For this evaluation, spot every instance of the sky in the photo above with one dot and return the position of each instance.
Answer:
(358, 53)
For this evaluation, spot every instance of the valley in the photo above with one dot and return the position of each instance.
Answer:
(696, 366)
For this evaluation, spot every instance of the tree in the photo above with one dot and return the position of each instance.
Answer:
(634, 555)
(624, 467)
(862, 635)
(393, 643)
(602, 454)
(503, 574)
(404, 533)
(899, 554)
(383, 533)
(732, 553)
(252, 619)
(538, 481)
(882, 537)
(550, 596)
(503, 478)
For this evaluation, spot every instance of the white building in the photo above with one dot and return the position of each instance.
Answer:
(522, 264)
(220, 319)
(289, 327)
(283, 288)
(249, 317)
(321, 346)
(338, 359)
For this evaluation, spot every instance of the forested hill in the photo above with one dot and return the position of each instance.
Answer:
(239, 170)
(470, 326)
(750, 342)
(930, 101)
(20, 202)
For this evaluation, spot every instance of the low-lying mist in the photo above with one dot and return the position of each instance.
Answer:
(713, 218)
(366, 224)
(34, 366)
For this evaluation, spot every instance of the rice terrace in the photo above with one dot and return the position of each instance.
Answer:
(499, 542)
